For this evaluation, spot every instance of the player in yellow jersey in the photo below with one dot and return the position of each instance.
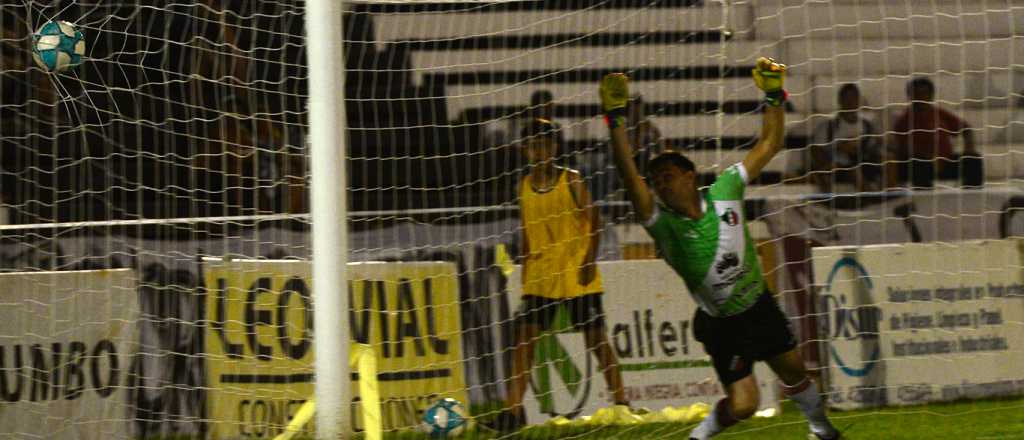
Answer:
(560, 242)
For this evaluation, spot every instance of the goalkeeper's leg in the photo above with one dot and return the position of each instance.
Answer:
(800, 388)
(740, 402)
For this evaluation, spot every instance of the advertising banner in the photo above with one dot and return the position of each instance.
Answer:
(69, 343)
(862, 219)
(649, 316)
(914, 323)
(260, 349)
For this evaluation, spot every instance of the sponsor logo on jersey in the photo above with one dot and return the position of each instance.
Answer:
(730, 217)
(728, 261)
(730, 278)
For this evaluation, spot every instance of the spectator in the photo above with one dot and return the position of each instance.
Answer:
(280, 166)
(501, 129)
(644, 136)
(923, 146)
(846, 148)
(218, 164)
(542, 105)
(29, 127)
(248, 168)
(1014, 131)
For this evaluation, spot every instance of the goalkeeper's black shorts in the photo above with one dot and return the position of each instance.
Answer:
(736, 342)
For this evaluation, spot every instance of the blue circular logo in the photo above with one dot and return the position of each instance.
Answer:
(851, 323)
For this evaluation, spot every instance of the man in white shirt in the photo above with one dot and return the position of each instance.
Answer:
(847, 148)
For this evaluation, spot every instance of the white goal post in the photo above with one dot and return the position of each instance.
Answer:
(329, 215)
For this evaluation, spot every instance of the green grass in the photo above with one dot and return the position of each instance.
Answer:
(973, 420)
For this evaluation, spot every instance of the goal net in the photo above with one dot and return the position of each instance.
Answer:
(155, 233)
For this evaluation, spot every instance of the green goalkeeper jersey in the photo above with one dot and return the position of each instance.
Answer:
(714, 254)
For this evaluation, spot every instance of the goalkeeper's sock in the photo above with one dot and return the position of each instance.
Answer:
(806, 396)
(716, 421)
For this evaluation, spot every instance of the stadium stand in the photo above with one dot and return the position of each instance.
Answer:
(882, 43)
(853, 20)
(418, 91)
(586, 20)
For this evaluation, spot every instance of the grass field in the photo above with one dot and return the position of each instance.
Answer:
(974, 420)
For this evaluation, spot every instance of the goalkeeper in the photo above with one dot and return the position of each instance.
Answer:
(703, 237)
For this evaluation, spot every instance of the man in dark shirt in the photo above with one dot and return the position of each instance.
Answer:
(922, 137)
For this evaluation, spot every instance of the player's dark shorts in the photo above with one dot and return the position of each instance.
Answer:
(585, 311)
(736, 342)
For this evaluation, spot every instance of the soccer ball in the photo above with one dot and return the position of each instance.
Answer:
(445, 418)
(57, 46)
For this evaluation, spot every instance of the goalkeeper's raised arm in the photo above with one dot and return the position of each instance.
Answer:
(769, 76)
(614, 98)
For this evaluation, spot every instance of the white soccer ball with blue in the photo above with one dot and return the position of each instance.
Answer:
(58, 46)
(445, 418)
